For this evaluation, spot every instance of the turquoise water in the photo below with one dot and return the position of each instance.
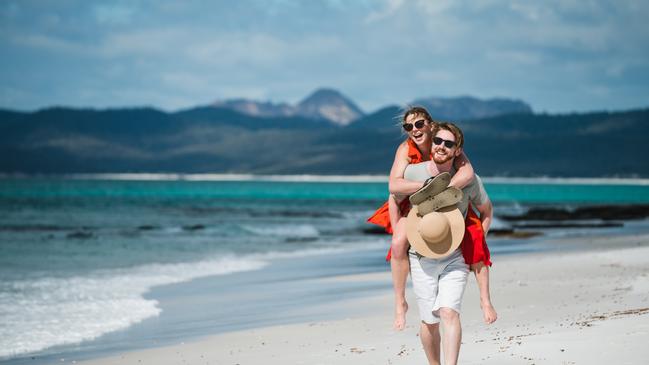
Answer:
(78, 256)
(523, 193)
(568, 193)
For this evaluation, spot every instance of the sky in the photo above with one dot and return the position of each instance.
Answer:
(559, 56)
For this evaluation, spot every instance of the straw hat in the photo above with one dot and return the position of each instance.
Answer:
(436, 234)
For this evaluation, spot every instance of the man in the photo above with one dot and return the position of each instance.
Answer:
(439, 283)
(417, 147)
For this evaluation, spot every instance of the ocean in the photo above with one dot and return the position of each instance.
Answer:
(80, 255)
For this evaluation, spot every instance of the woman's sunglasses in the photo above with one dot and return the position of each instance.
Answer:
(447, 143)
(419, 124)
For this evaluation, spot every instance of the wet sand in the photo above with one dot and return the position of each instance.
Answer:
(559, 307)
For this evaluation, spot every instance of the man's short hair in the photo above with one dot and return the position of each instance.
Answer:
(417, 110)
(457, 132)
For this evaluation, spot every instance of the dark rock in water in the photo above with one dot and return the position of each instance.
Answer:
(374, 230)
(80, 235)
(615, 212)
(605, 212)
(194, 227)
(510, 233)
(146, 228)
(300, 239)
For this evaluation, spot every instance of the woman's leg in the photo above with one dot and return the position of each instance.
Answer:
(399, 263)
(481, 272)
(400, 268)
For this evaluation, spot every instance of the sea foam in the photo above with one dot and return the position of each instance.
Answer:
(45, 312)
(293, 230)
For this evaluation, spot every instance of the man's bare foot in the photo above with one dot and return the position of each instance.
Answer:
(400, 309)
(489, 313)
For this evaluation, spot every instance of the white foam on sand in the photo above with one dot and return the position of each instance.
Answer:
(292, 230)
(38, 314)
(41, 313)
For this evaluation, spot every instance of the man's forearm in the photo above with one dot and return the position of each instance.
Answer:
(486, 215)
(403, 187)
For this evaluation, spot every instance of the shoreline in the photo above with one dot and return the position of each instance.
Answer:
(553, 307)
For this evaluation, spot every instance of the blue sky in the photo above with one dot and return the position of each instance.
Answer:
(557, 55)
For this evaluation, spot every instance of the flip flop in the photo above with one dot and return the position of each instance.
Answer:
(432, 187)
(450, 196)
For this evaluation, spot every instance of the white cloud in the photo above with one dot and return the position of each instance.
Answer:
(176, 52)
(436, 7)
(388, 10)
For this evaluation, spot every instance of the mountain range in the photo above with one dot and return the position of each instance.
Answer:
(323, 134)
(331, 105)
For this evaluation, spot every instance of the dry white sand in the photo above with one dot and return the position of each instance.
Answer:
(586, 307)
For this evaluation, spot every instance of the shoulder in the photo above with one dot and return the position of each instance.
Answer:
(475, 189)
(477, 181)
(472, 186)
(403, 150)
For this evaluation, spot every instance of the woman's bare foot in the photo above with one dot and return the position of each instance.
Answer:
(400, 309)
(489, 313)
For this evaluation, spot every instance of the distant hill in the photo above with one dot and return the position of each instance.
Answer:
(210, 139)
(331, 105)
(466, 107)
(322, 104)
(256, 108)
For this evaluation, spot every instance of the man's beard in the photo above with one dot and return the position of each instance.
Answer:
(440, 160)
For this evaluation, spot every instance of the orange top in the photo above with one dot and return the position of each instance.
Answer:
(382, 215)
(474, 244)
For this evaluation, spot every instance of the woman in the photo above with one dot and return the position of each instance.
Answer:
(418, 125)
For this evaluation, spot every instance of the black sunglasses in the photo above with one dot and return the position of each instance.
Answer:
(447, 143)
(419, 124)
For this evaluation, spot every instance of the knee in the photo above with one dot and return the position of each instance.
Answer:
(448, 315)
(478, 267)
(399, 247)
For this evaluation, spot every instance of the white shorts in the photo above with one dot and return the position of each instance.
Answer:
(438, 283)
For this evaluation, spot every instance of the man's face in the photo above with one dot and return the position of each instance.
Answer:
(420, 132)
(442, 153)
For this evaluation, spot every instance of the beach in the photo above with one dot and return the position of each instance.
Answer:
(585, 304)
(252, 271)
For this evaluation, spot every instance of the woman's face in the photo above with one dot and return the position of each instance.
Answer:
(421, 130)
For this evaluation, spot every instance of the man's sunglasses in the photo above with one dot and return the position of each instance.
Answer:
(419, 124)
(447, 143)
